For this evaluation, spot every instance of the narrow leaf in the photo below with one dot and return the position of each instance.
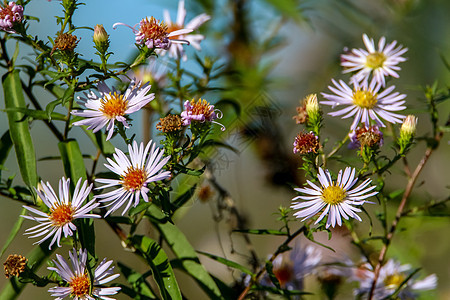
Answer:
(13, 232)
(159, 263)
(18, 128)
(227, 262)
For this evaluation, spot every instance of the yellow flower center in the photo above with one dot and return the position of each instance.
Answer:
(153, 29)
(333, 195)
(61, 215)
(364, 99)
(134, 179)
(113, 105)
(375, 60)
(394, 280)
(79, 286)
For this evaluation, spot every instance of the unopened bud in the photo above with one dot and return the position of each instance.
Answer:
(407, 132)
(312, 106)
(101, 38)
(409, 126)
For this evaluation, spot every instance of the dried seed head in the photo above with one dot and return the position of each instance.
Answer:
(14, 265)
(169, 123)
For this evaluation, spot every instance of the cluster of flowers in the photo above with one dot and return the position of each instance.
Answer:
(369, 101)
(144, 164)
(291, 271)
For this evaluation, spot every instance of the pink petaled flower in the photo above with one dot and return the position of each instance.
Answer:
(380, 63)
(111, 106)
(365, 102)
(176, 50)
(10, 14)
(200, 111)
(63, 210)
(154, 34)
(81, 286)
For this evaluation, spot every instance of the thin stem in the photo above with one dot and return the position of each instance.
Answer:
(399, 214)
(339, 146)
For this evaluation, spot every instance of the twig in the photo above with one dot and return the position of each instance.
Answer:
(398, 215)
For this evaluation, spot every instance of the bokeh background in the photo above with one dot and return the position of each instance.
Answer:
(283, 50)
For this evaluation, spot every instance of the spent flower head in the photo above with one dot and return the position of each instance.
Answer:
(170, 123)
(176, 50)
(111, 106)
(306, 143)
(10, 14)
(365, 102)
(79, 284)
(143, 167)
(336, 199)
(14, 265)
(366, 136)
(63, 210)
(378, 63)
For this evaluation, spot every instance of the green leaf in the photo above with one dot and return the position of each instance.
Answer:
(38, 114)
(228, 263)
(140, 288)
(74, 169)
(13, 232)
(189, 171)
(261, 231)
(159, 263)
(20, 134)
(187, 256)
(51, 107)
(5, 146)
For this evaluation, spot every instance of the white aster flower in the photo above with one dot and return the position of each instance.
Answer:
(392, 276)
(135, 174)
(291, 270)
(63, 211)
(380, 63)
(78, 279)
(154, 34)
(366, 103)
(337, 200)
(111, 106)
(176, 50)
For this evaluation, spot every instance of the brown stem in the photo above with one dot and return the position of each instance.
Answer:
(398, 215)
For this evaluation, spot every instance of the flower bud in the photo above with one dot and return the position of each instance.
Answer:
(407, 132)
(409, 126)
(314, 119)
(101, 38)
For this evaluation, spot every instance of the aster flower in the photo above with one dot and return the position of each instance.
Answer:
(176, 50)
(63, 211)
(291, 270)
(365, 136)
(111, 106)
(378, 63)
(392, 276)
(154, 34)
(200, 111)
(9, 14)
(136, 173)
(335, 199)
(365, 103)
(78, 279)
